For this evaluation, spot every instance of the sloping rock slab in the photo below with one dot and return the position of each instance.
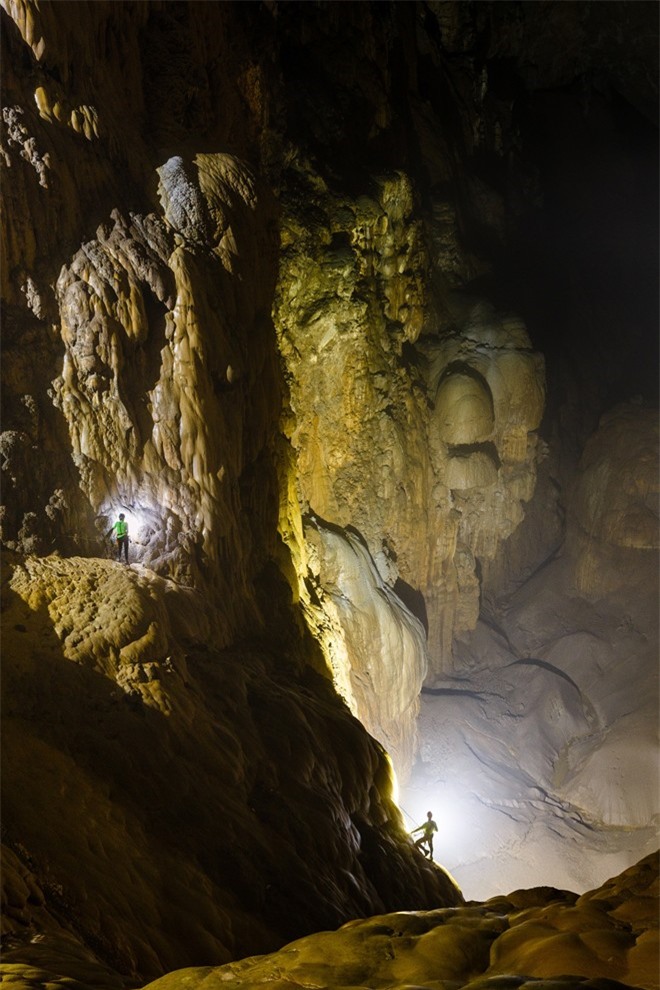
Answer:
(540, 938)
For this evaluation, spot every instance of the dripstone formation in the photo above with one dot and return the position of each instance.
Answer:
(342, 305)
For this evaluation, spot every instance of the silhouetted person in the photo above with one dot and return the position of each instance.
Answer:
(428, 828)
(120, 529)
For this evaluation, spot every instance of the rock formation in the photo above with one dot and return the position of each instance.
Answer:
(279, 283)
(174, 778)
(604, 937)
(607, 938)
(545, 737)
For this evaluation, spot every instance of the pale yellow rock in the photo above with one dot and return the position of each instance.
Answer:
(370, 452)
(464, 410)
(43, 102)
(374, 646)
(103, 612)
(141, 385)
(536, 938)
(466, 471)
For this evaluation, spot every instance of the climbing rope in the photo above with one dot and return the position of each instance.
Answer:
(409, 817)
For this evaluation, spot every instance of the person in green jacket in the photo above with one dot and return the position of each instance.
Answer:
(120, 529)
(428, 828)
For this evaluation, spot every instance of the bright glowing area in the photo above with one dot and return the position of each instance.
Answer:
(394, 781)
(458, 816)
(143, 522)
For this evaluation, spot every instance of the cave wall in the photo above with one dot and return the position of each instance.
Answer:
(280, 288)
(386, 240)
(174, 800)
(474, 212)
(140, 373)
(150, 246)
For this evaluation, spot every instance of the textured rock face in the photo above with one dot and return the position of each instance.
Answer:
(376, 647)
(545, 747)
(140, 373)
(426, 446)
(164, 374)
(606, 938)
(154, 375)
(173, 781)
(260, 284)
(155, 379)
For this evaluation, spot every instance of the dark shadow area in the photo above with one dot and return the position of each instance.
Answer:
(582, 265)
(535, 662)
(465, 449)
(140, 373)
(413, 600)
(173, 788)
(314, 519)
(454, 692)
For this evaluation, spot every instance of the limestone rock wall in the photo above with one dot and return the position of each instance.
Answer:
(412, 404)
(415, 430)
(140, 374)
(164, 341)
(545, 747)
(255, 283)
(164, 375)
(173, 799)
